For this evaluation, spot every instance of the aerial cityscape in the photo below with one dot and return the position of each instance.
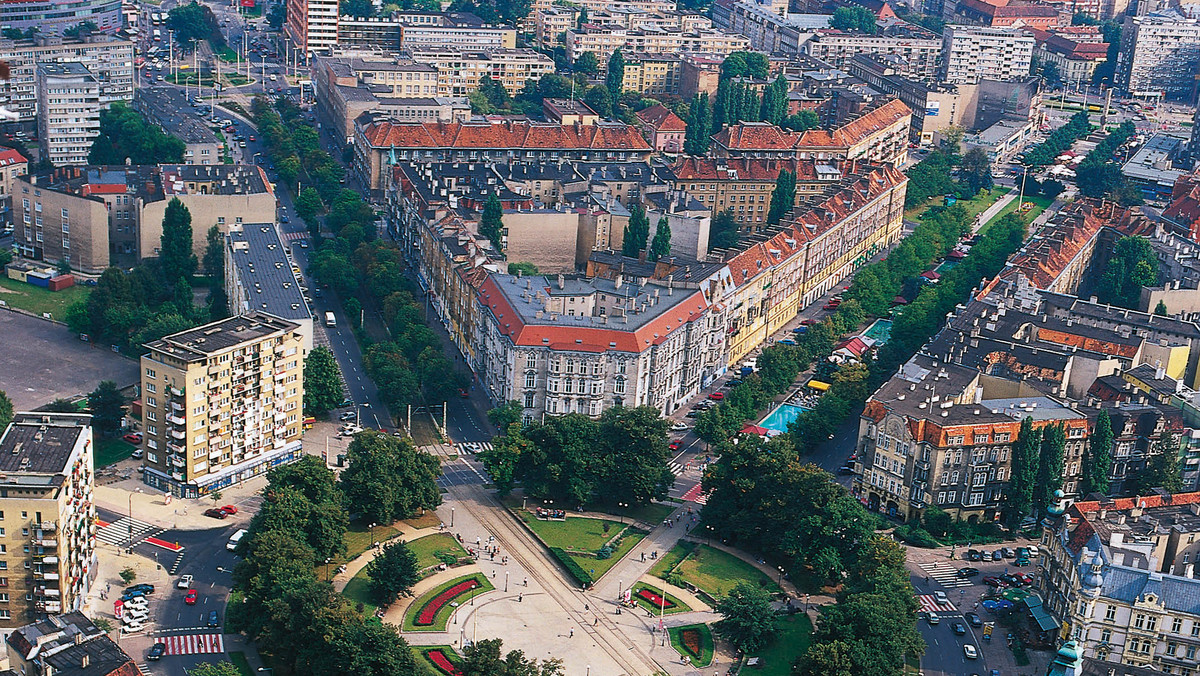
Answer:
(600, 337)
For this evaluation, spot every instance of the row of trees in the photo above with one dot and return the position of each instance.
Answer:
(295, 149)
(1098, 176)
(931, 177)
(577, 460)
(155, 298)
(1059, 140)
(195, 21)
(126, 135)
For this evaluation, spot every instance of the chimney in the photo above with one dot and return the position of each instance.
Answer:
(562, 281)
(83, 661)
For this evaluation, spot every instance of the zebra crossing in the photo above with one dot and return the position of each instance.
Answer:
(929, 604)
(126, 532)
(471, 447)
(696, 494)
(193, 644)
(295, 236)
(945, 574)
(675, 468)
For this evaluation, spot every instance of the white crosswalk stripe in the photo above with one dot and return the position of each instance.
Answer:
(125, 532)
(194, 644)
(295, 236)
(929, 604)
(946, 575)
(675, 468)
(469, 447)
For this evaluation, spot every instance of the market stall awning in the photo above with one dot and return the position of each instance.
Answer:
(1045, 621)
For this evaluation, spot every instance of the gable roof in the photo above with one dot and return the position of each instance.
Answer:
(660, 118)
(502, 134)
(766, 136)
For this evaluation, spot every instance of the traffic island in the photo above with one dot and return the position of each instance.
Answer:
(441, 658)
(432, 610)
(655, 600)
(694, 642)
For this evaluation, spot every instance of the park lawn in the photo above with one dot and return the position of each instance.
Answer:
(793, 633)
(110, 450)
(427, 520)
(430, 547)
(357, 592)
(575, 533)
(668, 561)
(421, 651)
(443, 614)
(358, 540)
(1040, 204)
(716, 573)
(976, 205)
(679, 607)
(35, 299)
(598, 567)
(238, 658)
(653, 513)
(706, 644)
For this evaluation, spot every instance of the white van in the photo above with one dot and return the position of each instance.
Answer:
(233, 541)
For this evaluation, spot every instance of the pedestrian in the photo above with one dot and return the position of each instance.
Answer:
(585, 607)
(525, 582)
(572, 633)
(596, 623)
(520, 598)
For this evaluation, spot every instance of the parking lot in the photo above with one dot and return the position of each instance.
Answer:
(43, 361)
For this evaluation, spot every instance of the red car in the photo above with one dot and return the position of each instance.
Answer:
(675, 445)
(133, 437)
(229, 509)
(809, 322)
(717, 396)
(215, 513)
(251, 137)
(190, 597)
(993, 581)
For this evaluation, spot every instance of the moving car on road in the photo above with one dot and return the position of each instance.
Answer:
(190, 597)
(185, 582)
(156, 651)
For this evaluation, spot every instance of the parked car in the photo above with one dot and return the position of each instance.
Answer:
(126, 597)
(229, 509)
(133, 437)
(846, 469)
(717, 396)
(993, 581)
(185, 582)
(144, 588)
(692, 414)
(190, 597)
(348, 415)
(675, 445)
(967, 572)
(998, 555)
(137, 454)
(973, 555)
(679, 427)
(156, 651)
(941, 597)
(970, 652)
(216, 513)
(1010, 553)
(213, 619)
(985, 556)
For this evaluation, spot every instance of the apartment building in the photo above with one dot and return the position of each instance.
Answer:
(94, 216)
(816, 246)
(12, 165)
(651, 74)
(1159, 56)
(52, 17)
(604, 40)
(880, 134)
(551, 23)
(971, 53)
(109, 60)
(935, 107)
(458, 29)
(460, 69)
(380, 143)
(919, 51)
(1119, 576)
(744, 185)
(595, 6)
(767, 29)
(312, 25)
(67, 645)
(259, 278)
(577, 345)
(1005, 13)
(68, 97)
(663, 129)
(222, 403)
(48, 562)
(1075, 58)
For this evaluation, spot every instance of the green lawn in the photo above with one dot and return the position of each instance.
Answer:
(668, 561)
(679, 607)
(706, 644)
(239, 660)
(976, 205)
(597, 567)
(431, 548)
(427, 520)
(356, 591)
(421, 651)
(653, 513)
(443, 615)
(793, 634)
(716, 573)
(37, 300)
(575, 534)
(358, 540)
(112, 450)
(1040, 204)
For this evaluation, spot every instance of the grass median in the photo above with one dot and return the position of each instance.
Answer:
(694, 641)
(443, 613)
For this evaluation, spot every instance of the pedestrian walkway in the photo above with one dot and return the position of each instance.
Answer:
(676, 468)
(295, 236)
(696, 494)
(194, 644)
(945, 574)
(126, 532)
(929, 604)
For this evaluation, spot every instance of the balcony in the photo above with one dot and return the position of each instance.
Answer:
(178, 476)
(53, 577)
(177, 448)
(178, 461)
(176, 406)
(48, 526)
(176, 420)
(51, 543)
(179, 434)
(50, 560)
(49, 606)
(176, 392)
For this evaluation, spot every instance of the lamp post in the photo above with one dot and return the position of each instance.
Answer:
(506, 581)
(452, 517)
(780, 575)
(624, 506)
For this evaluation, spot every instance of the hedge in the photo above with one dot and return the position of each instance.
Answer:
(581, 576)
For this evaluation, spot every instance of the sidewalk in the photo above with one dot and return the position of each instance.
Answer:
(407, 534)
(131, 496)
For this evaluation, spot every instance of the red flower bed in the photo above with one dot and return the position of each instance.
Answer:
(655, 599)
(690, 638)
(430, 611)
(440, 660)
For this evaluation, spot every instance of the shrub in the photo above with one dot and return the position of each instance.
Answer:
(604, 552)
(576, 571)
(916, 536)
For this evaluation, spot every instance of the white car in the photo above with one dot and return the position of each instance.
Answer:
(135, 614)
(185, 582)
(348, 415)
(131, 627)
(135, 602)
(679, 427)
(970, 652)
(941, 597)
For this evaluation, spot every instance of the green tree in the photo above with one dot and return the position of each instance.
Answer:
(322, 384)
(557, 464)
(802, 121)
(59, 405)
(1024, 472)
(175, 255)
(1097, 458)
(308, 207)
(614, 77)
(775, 101)
(976, 170)
(783, 197)
(126, 135)
(632, 465)
(217, 669)
(392, 572)
(483, 658)
(723, 232)
(388, 478)
(1050, 467)
(1131, 266)
(587, 62)
(107, 405)
(1161, 309)
(854, 18)
(636, 232)
(502, 460)
(359, 8)
(660, 246)
(1162, 469)
(491, 223)
(194, 21)
(599, 100)
(697, 136)
(6, 411)
(747, 618)
(506, 415)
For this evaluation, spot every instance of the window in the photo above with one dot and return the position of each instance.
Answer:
(1139, 621)
(1190, 652)
(1171, 648)
(530, 379)
(1151, 623)
(1195, 628)
(529, 400)
(1176, 625)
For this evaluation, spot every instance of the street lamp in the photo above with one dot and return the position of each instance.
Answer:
(780, 576)
(452, 517)
(623, 506)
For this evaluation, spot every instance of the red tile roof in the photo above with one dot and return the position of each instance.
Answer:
(742, 169)
(1060, 241)
(1184, 209)
(1145, 501)
(660, 118)
(764, 136)
(505, 134)
(10, 156)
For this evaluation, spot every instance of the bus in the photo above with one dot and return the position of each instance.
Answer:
(330, 320)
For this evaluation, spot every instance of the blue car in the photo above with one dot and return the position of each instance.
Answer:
(132, 595)
(213, 620)
(786, 341)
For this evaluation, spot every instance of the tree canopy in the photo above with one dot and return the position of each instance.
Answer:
(175, 255)
(322, 382)
(126, 135)
(1131, 266)
(392, 572)
(854, 18)
(660, 246)
(195, 21)
(388, 478)
(107, 406)
(747, 618)
(637, 231)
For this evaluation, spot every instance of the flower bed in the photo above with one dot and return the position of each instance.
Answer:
(656, 600)
(430, 610)
(690, 639)
(442, 662)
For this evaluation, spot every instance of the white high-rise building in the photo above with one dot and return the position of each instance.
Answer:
(1159, 56)
(312, 25)
(68, 105)
(970, 53)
